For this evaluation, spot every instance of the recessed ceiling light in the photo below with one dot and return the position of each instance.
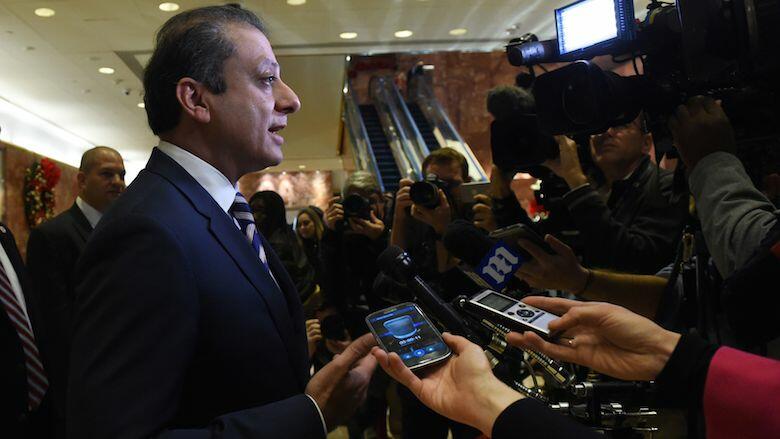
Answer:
(404, 34)
(106, 70)
(301, 166)
(348, 35)
(169, 7)
(45, 12)
(459, 31)
(296, 2)
(141, 105)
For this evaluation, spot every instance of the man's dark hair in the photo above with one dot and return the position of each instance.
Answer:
(192, 44)
(445, 157)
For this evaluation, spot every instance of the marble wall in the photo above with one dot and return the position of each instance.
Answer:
(298, 189)
(15, 162)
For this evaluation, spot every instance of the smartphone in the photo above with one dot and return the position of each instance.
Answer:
(510, 312)
(405, 330)
(511, 234)
(469, 190)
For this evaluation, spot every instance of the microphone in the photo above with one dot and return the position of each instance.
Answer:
(494, 262)
(397, 264)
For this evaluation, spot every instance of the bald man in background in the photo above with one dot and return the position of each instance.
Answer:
(52, 252)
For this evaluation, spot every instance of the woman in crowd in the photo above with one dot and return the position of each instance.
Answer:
(309, 228)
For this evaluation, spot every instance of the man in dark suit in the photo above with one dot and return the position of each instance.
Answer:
(52, 252)
(185, 322)
(24, 400)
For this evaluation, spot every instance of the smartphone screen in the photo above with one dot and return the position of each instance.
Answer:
(405, 330)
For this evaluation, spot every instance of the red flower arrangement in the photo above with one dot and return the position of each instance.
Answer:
(39, 181)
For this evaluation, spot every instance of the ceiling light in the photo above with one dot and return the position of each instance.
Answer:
(404, 34)
(458, 32)
(348, 35)
(296, 2)
(141, 105)
(301, 166)
(106, 70)
(169, 7)
(45, 12)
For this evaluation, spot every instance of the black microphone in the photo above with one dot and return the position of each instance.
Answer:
(493, 262)
(467, 242)
(397, 264)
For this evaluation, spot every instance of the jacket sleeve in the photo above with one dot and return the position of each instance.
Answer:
(741, 396)
(529, 418)
(735, 216)
(644, 246)
(136, 326)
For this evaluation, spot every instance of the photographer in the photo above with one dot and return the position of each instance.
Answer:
(614, 341)
(355, 234)
(418, 229)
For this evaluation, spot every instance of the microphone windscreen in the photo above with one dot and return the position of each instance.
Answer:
(386, 259)
(467, 242)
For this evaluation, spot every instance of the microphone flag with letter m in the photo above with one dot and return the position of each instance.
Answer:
(499, 264)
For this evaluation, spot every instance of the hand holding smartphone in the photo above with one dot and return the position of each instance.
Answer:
(405, 330)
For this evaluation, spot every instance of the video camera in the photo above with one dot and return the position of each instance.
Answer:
(719, 48)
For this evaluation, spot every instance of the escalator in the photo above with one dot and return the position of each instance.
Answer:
(423, 126)
(385, 163)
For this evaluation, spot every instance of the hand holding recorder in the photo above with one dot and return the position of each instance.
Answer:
(607, 338)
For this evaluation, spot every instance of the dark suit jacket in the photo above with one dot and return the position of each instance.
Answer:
(15, 420)
(52, 252)
(179, 331)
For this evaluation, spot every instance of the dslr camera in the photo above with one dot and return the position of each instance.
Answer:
(426, 193)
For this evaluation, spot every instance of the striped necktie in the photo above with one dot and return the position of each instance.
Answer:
(37, 383)
(243, 214)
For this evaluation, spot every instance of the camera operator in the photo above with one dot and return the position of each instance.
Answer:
(633, 221)
(355, 234)
(614, 341)
(735, 216)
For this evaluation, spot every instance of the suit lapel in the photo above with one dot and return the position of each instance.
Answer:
(81, 225)
(224, 230)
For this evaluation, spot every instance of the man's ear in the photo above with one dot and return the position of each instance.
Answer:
(81, 179)
(647, 143)
(189, 93)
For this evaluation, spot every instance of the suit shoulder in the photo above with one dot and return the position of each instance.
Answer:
(56, 225)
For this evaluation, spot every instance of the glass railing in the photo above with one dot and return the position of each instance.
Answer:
(365, 160)
(420, 91)
(402, 135)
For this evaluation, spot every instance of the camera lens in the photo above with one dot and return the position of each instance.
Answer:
(356, 206)
(425, 194)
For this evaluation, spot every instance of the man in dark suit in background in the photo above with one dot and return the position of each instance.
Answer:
(24, 400)
(52, 252)
(185, 322)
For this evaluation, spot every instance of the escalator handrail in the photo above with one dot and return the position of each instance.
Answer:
(364, 151)
(422, 147)
(425, 98)
(408, 164)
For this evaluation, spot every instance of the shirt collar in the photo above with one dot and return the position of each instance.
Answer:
(93, 215)
(213, 181)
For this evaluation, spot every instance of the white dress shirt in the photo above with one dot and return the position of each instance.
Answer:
(223, 192)
(93, 215)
